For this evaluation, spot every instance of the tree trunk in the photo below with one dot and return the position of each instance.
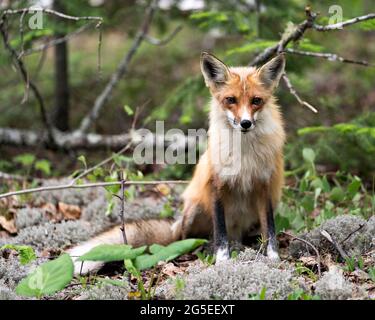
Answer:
(60, 114)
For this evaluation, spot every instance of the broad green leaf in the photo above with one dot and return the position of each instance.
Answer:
(337, 194)
(307, 203)
(353, 187)
(44, 166)
(26, 159)
(112, 252)
(155, 248)
(48, 278)
(167, 253)
(129, 266)
(308, 154)
(26, 253)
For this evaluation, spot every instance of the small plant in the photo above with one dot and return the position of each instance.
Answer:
(206, 258)
(26, 253)
(29, 163)
(258, 296)
(299, 294)
(301, 270)
(371, 273)
(351, 263)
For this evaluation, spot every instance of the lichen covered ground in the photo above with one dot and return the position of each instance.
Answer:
(52, 222)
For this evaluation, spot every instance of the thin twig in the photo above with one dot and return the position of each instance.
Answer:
(51, 12)
(166, 40)
(100, 164)
(55, 42)
(21, 67)
(88, 185)
(295, 94)
(329, 57)
(309, 244)
(361, 225)
(338, 247)
(122, 211)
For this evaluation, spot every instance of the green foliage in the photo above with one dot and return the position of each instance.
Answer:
(255, 46)
(302, 270)
(371, 273)
(167, 210)
(357, 138)
(48, 278)
(230, 21)
(316, 197)
(206, 258)
(29, 162)
(300, 294)
(129, 111)
(26, 253)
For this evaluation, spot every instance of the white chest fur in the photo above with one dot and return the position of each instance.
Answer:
(240, 159)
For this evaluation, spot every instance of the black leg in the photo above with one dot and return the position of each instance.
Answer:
(272, 247)
(220, 232)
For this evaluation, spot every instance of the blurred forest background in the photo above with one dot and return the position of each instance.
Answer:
(166, 80)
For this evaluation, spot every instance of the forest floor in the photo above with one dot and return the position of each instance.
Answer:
(51, 222)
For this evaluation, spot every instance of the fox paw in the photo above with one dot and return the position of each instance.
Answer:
(272, 254)
(222, 254)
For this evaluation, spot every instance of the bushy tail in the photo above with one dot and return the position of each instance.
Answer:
(139, 233)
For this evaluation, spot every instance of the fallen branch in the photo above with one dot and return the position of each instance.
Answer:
(88, 185)
(312, 246)
(89, 141)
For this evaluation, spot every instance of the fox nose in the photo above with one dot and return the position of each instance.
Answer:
(246, 124)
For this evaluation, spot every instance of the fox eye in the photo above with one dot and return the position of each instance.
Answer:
(256, 101)
(230, 100)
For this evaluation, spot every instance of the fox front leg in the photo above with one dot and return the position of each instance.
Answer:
(272, 246)
(220, 232)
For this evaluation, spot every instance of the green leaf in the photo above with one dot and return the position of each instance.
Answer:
(128, 110)
(82, 158)
(167, 253)
(307, 203)
(44, 166)
(337, 194)
(353, 187)
(155, 248)
(26, 253)
(26, 159)
(308, 154)
(112, 252)
(48, 278)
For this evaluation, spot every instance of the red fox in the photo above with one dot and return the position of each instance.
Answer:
(233, 193)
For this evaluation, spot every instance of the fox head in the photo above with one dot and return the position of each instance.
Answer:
(242, 93)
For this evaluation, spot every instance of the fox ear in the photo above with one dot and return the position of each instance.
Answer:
(215, 72)
(271, 72)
